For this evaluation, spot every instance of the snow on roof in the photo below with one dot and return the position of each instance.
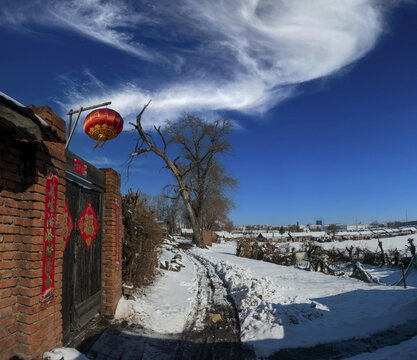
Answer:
(43, 122)
(355, 233)
(7, 97)
(366, 232)
(17, 103)
(314, 234)
(273, 235)
(408, 228)
(186, 231)
(348, 233)
(228, 235)
(379, 231)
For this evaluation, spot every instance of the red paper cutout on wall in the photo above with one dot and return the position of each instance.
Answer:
(69, 224)
(117, 208)
(80, 168)
(88, 225)
(48, 253)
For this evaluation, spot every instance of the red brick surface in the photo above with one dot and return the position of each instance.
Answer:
(111, 274)
(208, 237)
(28, 329)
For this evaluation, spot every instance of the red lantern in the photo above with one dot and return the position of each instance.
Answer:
(103, 125)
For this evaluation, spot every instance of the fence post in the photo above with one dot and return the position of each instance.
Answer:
(402, 269)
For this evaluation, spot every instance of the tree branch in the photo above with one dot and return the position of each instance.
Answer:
(158, 130)
(136, 153)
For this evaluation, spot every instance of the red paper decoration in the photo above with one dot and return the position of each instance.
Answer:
(103, 125)
(88, 225)
(69, 225)
(80, 168)
(117, 208)
(48, 253)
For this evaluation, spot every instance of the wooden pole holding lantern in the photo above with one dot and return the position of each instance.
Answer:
(73, 128)
(89, 108)
(69, 125)
(72, 112)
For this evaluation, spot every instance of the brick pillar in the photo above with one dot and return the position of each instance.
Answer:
(111, 272)
(39, 328)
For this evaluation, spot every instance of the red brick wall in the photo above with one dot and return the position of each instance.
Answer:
(11, 178)
(208, 237)
(112, 274)
(26, 328)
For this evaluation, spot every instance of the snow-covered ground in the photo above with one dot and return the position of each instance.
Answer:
(387, 275)
(278, 307)
(391, 243)
(63, 354)
(166, 304)
(404, 351)
(285, 307)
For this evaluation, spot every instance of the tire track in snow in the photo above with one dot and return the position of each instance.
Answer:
(213, 329)
(203, 336)
(330, 350)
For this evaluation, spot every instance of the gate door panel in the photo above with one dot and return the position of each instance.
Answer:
(81, 288)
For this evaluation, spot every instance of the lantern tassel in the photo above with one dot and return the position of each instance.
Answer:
(101, 139)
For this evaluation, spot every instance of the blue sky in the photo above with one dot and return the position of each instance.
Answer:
(323, 93)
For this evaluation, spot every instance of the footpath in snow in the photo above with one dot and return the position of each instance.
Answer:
(165, 305)
(183, 315)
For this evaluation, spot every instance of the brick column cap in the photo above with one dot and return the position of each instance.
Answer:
(54, 121)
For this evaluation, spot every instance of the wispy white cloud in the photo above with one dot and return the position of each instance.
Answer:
(244, 55)
(138, 166)
(112, 22)
(101, 161)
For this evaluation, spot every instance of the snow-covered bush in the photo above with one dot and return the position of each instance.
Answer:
(318, 258)
(141, 240)
(266, 251)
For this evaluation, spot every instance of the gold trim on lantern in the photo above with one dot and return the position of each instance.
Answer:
(102, 132)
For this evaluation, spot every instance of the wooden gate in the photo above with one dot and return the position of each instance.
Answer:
(81, 288)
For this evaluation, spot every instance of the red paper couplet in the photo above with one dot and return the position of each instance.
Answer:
(69, 224)
(117, 207)
(48, 254)
(80, 168)
(88, 225)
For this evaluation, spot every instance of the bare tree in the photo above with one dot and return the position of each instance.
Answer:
(210, 202)
(411, 247)
(332, 229)
(167, 210)
(350, 253)
(382, 261)
(197, 143)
